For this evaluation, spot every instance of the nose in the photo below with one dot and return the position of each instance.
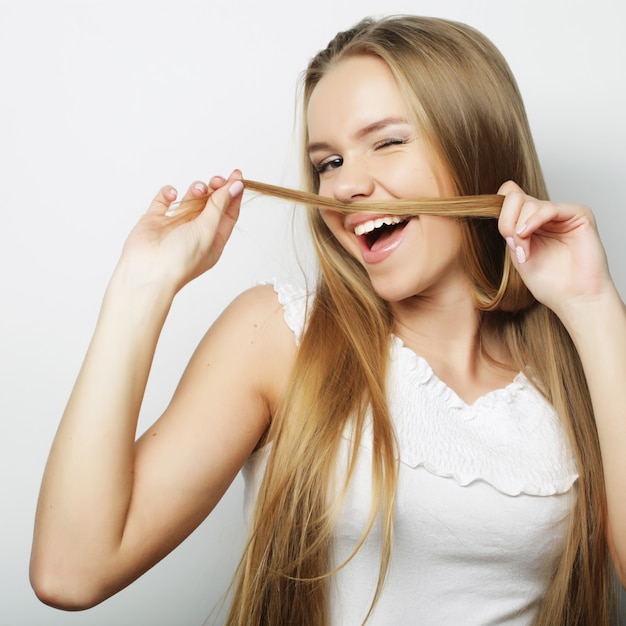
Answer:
(352, 181)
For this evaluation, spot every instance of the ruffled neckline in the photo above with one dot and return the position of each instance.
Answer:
(509, 438)
(423, 373)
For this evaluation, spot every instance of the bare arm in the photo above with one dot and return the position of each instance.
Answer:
(561, 259)
(599, 333)
(109, 508)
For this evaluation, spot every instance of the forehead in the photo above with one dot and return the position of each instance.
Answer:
(354, 93)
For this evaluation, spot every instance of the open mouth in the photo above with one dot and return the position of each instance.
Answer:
(377, 232)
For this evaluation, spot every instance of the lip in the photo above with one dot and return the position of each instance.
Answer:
(380, 253)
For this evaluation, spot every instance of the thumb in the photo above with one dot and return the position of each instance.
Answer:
(508, 187)
(222, 207)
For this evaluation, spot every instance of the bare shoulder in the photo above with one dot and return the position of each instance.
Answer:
(252, 337)
(257, 317)
(258, 306)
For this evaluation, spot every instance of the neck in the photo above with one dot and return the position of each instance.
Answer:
(443, 327)
(446, 332)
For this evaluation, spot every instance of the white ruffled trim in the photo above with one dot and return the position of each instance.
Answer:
(295, 301)
(510, 438)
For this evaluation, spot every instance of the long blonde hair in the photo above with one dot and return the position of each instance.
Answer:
(466, 101)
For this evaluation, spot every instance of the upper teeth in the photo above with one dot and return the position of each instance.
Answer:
(368, 227)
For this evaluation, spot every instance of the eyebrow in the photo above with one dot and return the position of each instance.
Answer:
(362, 132)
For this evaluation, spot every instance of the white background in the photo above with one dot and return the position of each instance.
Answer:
(101, 103)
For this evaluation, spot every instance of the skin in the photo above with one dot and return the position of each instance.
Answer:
(364, 147)
(111, 508)
(361, 139)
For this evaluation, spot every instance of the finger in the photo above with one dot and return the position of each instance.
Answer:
(162, 201)
(516, 209)
(510, 214)
(509, 187)
(216, 182)
(542, 218)
(192, 202)
(555, 217)
(226, 194)
(534, 216)
(222, 207)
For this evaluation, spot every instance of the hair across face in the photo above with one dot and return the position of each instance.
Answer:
(460, 94)
(364, 146)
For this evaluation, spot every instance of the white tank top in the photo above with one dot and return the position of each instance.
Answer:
(483, 497)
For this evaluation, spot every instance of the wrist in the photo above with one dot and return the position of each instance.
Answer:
(137, 294)
(588, 320)
(139, 280)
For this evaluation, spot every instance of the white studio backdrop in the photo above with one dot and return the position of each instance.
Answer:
(103, 102)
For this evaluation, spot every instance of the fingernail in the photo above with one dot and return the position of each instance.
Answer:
(510, 242)
(520, 229)
(520, 255)
(200, 187)
(235, 189)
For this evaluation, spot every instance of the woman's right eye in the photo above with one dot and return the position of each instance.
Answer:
(331, 163)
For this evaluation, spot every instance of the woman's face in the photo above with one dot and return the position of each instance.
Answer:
(363, 146)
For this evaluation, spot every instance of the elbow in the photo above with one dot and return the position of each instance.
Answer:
(64, 597)
(59, 590)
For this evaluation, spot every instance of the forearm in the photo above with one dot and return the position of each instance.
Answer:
(90, 540)
(599, 333)
(88, 481)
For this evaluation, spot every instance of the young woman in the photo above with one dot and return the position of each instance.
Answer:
(443, 441)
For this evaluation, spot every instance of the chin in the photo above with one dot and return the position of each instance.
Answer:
(391, 292)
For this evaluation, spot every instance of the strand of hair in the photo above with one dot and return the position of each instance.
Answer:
(485, 206)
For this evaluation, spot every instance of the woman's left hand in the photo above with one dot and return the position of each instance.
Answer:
(556, 249)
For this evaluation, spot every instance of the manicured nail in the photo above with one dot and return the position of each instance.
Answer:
(200, 187)
(520, 229)
(510, 242)
(235, 189)
(520, 255)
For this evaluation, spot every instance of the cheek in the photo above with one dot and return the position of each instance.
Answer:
(332, 219)
(325, 188)
(334, 223)
(445, 234)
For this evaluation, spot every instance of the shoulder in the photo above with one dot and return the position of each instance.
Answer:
(267, 310)
(253, 330)
(276, 307)
(256, 302)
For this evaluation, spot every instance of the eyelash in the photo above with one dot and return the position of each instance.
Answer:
(324, 166)
(394, 141)
(336, 162)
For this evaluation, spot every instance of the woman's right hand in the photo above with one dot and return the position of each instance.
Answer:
(172, 245)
